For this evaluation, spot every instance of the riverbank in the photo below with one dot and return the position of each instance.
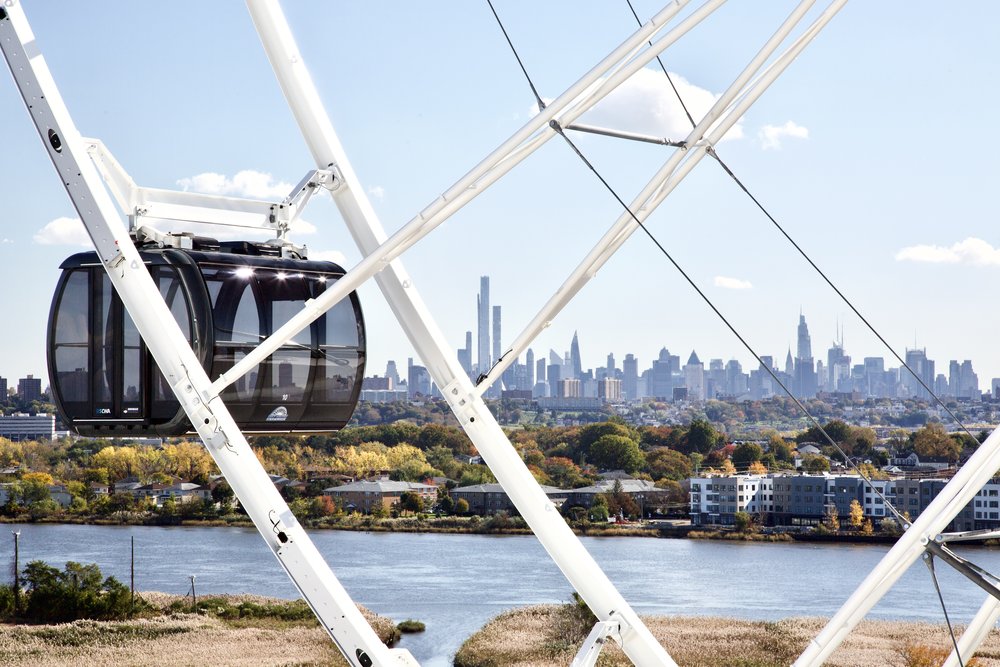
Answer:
(476, 525)
(237, 630)
(550, 635)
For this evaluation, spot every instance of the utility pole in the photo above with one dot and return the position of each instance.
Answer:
(17, 573)
(194, 596)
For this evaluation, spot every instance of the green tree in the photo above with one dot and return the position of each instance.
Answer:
(667, 463)
(461, 506)
(616, 452)
(411, 502)
(745, 454)
(933, 441)
(599, 510)
(77, 592)
(815, 463)
(700, 437)
(743, 522)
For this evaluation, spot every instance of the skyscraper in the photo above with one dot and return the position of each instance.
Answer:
(529, 361)
(694, 378)
(496, 335)
(804, 348)
(576, 364)
(465, 355)
(630, 377)
(483, 362)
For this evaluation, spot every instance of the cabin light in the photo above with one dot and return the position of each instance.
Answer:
(244, 272)
(282, 275)
(322, 279)
(300, 275)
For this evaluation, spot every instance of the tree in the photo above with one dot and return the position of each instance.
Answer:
(589, 435)
(745, 454)
(815, 463)
(727, 467)
(77, 592)
(832, 519)
(857, 515)
(599, 510)
(757, 468)
(410, 501)
(663, 462)
(743, 522)
(461, 506)
(223, 494)
(616, 452)
(563, 472)
(933, 441)
(867, 528)
(700, 437)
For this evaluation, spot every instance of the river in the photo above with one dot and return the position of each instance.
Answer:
(455, 583)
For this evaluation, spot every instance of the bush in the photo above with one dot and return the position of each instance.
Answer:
(77, 592)
(410, 626)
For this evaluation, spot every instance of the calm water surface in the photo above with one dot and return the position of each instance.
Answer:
(455, 583)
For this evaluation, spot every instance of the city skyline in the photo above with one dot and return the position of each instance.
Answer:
(908, 241)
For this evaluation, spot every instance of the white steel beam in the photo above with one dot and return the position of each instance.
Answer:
(172, 352)
(910, 546)
(556, 537)
(976, 632)
(719, 119)
(581, 96)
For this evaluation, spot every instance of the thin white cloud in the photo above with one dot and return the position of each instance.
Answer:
(646, 104)
(6, 240)
(771, 136)
(732, 283)
(62, 231)
(976, 252)
(246, 183)
(377, 191)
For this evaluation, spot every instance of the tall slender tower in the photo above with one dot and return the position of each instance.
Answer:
(574, 357)
(483, 362)
(496, 334)
(805, 342)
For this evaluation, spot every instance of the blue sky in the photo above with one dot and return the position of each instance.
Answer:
(876, 151)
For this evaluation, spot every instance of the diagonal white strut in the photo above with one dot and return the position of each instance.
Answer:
(180, 366)
(719, 119)
(579, 97)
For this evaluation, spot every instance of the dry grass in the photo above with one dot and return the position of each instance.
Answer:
(175, 639)
(550, 635)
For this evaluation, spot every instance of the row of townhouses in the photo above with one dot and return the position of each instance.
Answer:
(805, 500)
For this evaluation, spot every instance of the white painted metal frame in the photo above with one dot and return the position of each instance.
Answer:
(173, 354)
(200, 397)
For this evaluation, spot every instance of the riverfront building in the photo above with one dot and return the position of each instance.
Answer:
(806, 500)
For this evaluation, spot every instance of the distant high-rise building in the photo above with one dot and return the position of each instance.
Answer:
(418, 380)
(804, 348)
(540, 370)
(575, 361)
(465, 355)
(736, 379)
(529, 361)
(496, 335)
(29, 389)
(694, 378)
(630, 377)
(609, 389)
(611, 364)
(3, 391)
(569, 388)
(923, 368)
(391, 372)
(483, 362)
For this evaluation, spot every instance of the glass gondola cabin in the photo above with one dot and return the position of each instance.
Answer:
(226, 298)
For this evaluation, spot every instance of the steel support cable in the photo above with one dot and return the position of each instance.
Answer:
(558, 128)
(712, 152)
(929, 560)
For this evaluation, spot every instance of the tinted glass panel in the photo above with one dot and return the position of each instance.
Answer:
(72, 352)
(337, 374)
(131, 367)
(341, 325)
(173, 294)
(104, 343)
(289, 376)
